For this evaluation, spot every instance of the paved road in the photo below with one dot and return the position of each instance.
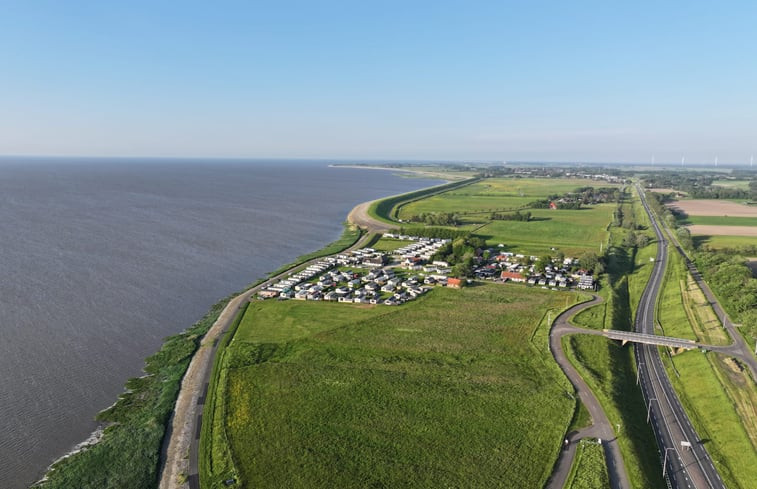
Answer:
(201, 366)
(685, 467)
(601, 427)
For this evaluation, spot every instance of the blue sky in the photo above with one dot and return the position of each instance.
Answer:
(537, 80)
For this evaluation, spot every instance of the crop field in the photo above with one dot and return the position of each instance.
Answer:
(448, 391)
(496, 193)
(714, 207)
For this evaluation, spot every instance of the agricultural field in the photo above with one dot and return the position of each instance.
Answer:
(447, 391)
(719, 221)
(714, 207)
(570, 231)
(705, 230)
(495, 194)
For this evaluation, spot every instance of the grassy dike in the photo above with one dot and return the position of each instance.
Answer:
(128, 454)
(608, 368)
(386, 210)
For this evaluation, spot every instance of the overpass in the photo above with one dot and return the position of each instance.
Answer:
(651, 339)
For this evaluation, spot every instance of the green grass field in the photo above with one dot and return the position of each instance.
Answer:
(495, 193)
(740, 184)
(720, 221)
(447, 391)
(570, 231)
(720, 242)
(589, 470)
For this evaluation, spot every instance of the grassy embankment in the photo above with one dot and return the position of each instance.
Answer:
(387, 210)
(608, 367)
(450, 390)
(129, 453)
(589, 470)
(719, 396)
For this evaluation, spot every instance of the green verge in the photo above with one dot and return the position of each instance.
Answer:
(448, 390)
(128, 455)
(703, 383)
(589, 470)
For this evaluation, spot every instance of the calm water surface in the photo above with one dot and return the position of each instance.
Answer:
(102, 259)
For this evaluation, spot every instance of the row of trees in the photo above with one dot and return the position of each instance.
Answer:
(515, 216)
(700, 185)
(436, 219)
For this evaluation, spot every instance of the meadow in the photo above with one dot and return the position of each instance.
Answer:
(719, 221)
(447, 391)
(570, 231)
(589, 469)
(495, 194)
(719, 242)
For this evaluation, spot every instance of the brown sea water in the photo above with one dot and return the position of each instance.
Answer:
(101, 259)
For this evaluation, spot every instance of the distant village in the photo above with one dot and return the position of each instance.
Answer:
(368, 276)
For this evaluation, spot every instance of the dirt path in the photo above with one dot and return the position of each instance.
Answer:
(359, 216)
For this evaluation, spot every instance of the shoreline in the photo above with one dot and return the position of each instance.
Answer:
(421, 173)
(179, 431)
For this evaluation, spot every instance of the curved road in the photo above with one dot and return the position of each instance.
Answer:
(686, 463)
(601, 427)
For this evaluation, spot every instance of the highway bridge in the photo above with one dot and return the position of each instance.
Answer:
(651, 339)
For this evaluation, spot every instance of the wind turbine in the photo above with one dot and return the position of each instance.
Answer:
(751, 161)
(683, 160)
(652, 164)
(716, 162)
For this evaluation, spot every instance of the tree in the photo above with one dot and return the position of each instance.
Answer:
(630, 240)
(541, 265)
(589, 261)
(642, 240)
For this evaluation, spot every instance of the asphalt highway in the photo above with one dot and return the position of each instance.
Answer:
(685, 459)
